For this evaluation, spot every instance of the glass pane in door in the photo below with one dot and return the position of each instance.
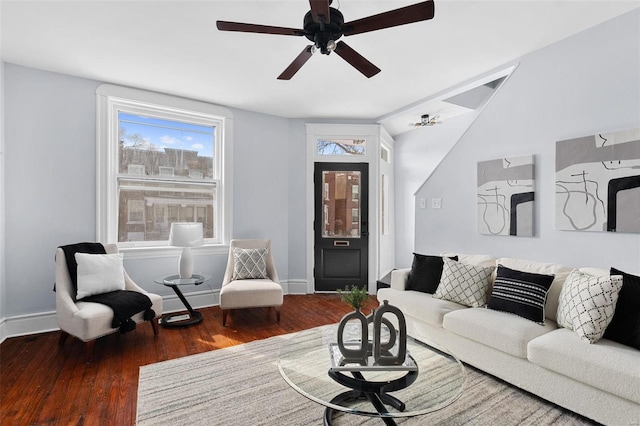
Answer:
(341, 204)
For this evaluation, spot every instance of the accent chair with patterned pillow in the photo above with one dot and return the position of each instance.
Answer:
(250, 280)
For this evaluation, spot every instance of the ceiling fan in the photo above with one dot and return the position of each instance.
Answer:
(426, 120)
(324, 25)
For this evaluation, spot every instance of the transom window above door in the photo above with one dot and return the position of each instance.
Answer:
(350, 146)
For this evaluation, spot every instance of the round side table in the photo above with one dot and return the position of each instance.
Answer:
(180, 319)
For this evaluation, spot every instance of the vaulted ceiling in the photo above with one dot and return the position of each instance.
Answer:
(174, 47)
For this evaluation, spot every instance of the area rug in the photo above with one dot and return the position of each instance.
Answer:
(241, 385)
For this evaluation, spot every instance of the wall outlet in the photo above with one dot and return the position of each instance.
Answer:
(436, 203)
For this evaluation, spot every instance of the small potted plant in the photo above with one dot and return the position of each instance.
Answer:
(354, 296)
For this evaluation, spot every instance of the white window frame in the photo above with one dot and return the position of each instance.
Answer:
(113, 99)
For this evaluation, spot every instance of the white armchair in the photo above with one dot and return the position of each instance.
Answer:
(87, 320)
(239, 293)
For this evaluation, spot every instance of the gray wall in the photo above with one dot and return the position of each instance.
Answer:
(583, 85)
(3, 297)
(418, 154)
(50, 199)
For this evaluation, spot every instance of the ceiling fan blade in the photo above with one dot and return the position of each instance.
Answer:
(356, 60)
(320, 7)
(297, 63)
(405, 15)
(255, 28)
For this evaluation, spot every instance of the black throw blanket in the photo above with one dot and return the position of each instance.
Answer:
(124, 303)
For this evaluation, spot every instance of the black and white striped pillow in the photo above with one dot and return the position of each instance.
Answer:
(520, 293)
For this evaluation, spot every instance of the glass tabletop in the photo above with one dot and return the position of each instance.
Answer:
(305, 362)
(195, 279)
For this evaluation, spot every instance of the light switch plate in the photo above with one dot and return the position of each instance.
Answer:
(423, 203)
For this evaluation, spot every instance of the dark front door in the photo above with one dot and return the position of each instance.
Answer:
(341, 231)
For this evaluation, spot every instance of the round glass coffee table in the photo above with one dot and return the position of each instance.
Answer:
(431, 378)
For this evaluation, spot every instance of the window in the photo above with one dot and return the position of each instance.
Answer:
(341, 146)
(160, 160)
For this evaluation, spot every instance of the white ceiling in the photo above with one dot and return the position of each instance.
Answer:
(174, 47)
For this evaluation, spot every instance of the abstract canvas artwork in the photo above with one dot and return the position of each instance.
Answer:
(505, 196)
(598, 182)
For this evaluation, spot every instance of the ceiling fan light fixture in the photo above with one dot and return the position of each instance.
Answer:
(424, 120)
(324, 25)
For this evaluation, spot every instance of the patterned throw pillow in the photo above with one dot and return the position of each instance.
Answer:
(464, 284)
(587, 304)
(249, 264)
(520, 293)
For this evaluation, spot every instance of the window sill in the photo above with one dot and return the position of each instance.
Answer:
(170, 251)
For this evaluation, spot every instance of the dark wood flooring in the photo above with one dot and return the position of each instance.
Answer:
(44, 384)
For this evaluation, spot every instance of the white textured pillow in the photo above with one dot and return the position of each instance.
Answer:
(587, 304)
(249, 264)
(99, 273)
(464, 284)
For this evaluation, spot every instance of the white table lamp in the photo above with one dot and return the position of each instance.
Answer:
(186, 235)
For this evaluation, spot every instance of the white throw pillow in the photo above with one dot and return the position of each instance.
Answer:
(249, 264)
(587, 304)
(464, 284)
(99, 273)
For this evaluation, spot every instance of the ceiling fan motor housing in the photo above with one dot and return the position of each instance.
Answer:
(321, 33)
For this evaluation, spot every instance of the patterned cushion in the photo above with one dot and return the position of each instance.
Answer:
(464, 284)
(249, 264)
(587, 304)
(520, 293)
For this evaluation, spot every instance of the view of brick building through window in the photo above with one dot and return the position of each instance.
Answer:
(341, 204)
(159, 184)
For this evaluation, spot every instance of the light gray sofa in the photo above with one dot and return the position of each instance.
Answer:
(600, 381)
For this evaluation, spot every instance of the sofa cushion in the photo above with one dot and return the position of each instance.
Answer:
(587, 304)
(520, 293)
(606, 365)
(419, 305)
(560, 273)
(465, 284)
(625, 325)
(500, 330)
(250, 293)
(425, 273)
(483, 260)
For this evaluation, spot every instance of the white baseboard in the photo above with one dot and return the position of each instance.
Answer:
(296, 287)
(43, 322)
(22, 325)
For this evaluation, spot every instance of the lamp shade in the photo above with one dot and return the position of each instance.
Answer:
(186, 234)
